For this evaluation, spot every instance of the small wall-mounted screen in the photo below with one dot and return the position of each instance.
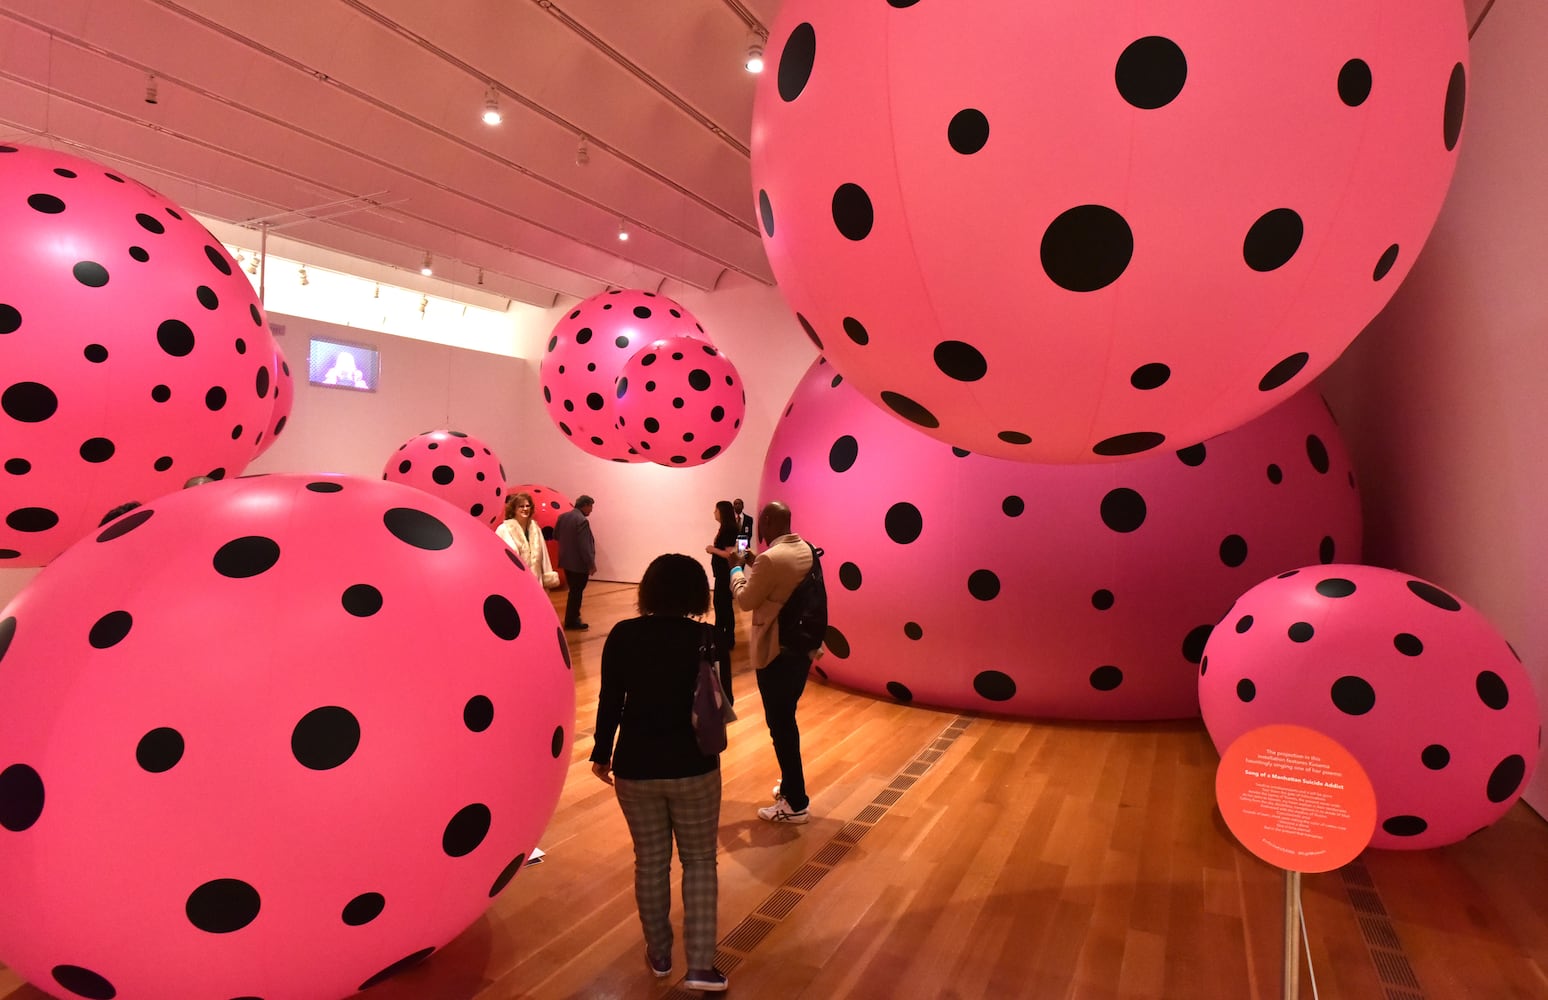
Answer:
(344, 365)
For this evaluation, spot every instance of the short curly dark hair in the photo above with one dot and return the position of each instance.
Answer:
(674, 584)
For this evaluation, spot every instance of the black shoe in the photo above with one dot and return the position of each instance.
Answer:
(577, 626)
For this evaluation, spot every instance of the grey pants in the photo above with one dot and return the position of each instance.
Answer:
(656, 811)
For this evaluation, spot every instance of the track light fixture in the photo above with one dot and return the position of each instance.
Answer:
(378, 291)
(492, 107)
(582, 154)
(623, 232)
(304, 280)
(150, 90)
(424, 300)
(252, 265)
(754, 61)
(425, 268)
(480, 276)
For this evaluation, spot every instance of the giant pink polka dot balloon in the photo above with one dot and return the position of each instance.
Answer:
(1416, 684)
(587, 350)
(680, 402)
(271, 737)
(1073, 232)
(457, 467)
(1070, 591)
(133, 353)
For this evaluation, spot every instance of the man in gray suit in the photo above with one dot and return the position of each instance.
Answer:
(577, 556)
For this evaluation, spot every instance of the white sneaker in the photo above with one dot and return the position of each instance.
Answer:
(780, 812)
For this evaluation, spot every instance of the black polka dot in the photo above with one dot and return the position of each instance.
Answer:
(363, 909)
(1384, 263)
(983, 585)
(852, 212)
(1106, 678)
(1492, 690)
(843, 453)
(362, 600)
(7, 633)
(90, 273)
(960, 361)
(1353, 695)
(159, 750)
(837, 642)
(1435, 756)
(478, 713)
(1194, 642)
(1335, 587)
(215, 399)
(466, 830)
(1404, 826)
(31, 519)
(1326, 550)
(110, 629)
(84, 982)
(1243, 624)
(849, 576)
(1407, 644)
(968, 131)
(1132, 443)
(1506, 778)
(899, 692)
(709, 453)
(904, 523)
(95, 353)
(21, 794)
(417, 528)
(325, 738)
(1123, 510)
(161, 393)
(218, 258)
(443, 474)
(1151, 376)
(1456, 103)
(10, 318)
(207, 297)
(401, 965)
(1246, 690)
(784, 470)
(796, 60)
(261, 382)
(163, 463)
(140, 254)
(1151, 72)
(501, 617)
(1431, 594)
(651, 425)
(175, 338)
(1102, 600)
(1013, 506)
(1014, 437)
(1301, 632)
(46, 203)
(994, 685)
(29, 402)
(150, 223)
(1192, 456)
(913, 631)
(699, 380)
(1354, 82)
(908, 409)
(18, 466)
(506, 874)
(1273, 240)
(564, 647)
(325, 487)
(247, 556)
(1283, 372)
(1317, 452)
(223, 905)
(765, 213)
(1086, 248)
(1233, 550)
(556, 742)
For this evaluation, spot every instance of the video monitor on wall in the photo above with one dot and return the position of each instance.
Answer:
(343, 365)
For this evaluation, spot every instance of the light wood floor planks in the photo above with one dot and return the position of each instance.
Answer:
(961, 856)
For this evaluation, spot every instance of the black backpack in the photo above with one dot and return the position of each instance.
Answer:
(803, 621)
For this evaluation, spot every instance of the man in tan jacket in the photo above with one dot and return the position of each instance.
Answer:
(761, 585)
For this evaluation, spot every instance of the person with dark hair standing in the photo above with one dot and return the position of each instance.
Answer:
(666, 786)
(721, 551)
(577, 556)
(762, 584)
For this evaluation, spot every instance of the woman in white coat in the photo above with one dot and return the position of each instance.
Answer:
(520, 531)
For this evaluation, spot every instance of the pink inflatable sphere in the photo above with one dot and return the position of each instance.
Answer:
(1074, 232)
(457, 467)
(586, 352)
(271, 737)
(1416, 684)
(680, 402)
(1065, 591)
(133, 353)
(284, 397)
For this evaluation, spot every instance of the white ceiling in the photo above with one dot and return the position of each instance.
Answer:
(354, 125)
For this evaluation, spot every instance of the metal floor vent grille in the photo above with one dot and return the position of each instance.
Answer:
(1397, 976)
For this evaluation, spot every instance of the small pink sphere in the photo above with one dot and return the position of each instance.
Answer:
(1065, 591)
(133, 352)
(586, 352)
(1074, 232)
(1416, 684)
(457, 467)
(280, 736)
(680, 402)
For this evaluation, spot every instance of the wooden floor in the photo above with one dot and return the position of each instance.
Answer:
(957, 855)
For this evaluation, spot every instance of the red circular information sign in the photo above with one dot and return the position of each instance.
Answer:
(1296, 798)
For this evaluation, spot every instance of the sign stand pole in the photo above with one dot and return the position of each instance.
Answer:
(1292, 982)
